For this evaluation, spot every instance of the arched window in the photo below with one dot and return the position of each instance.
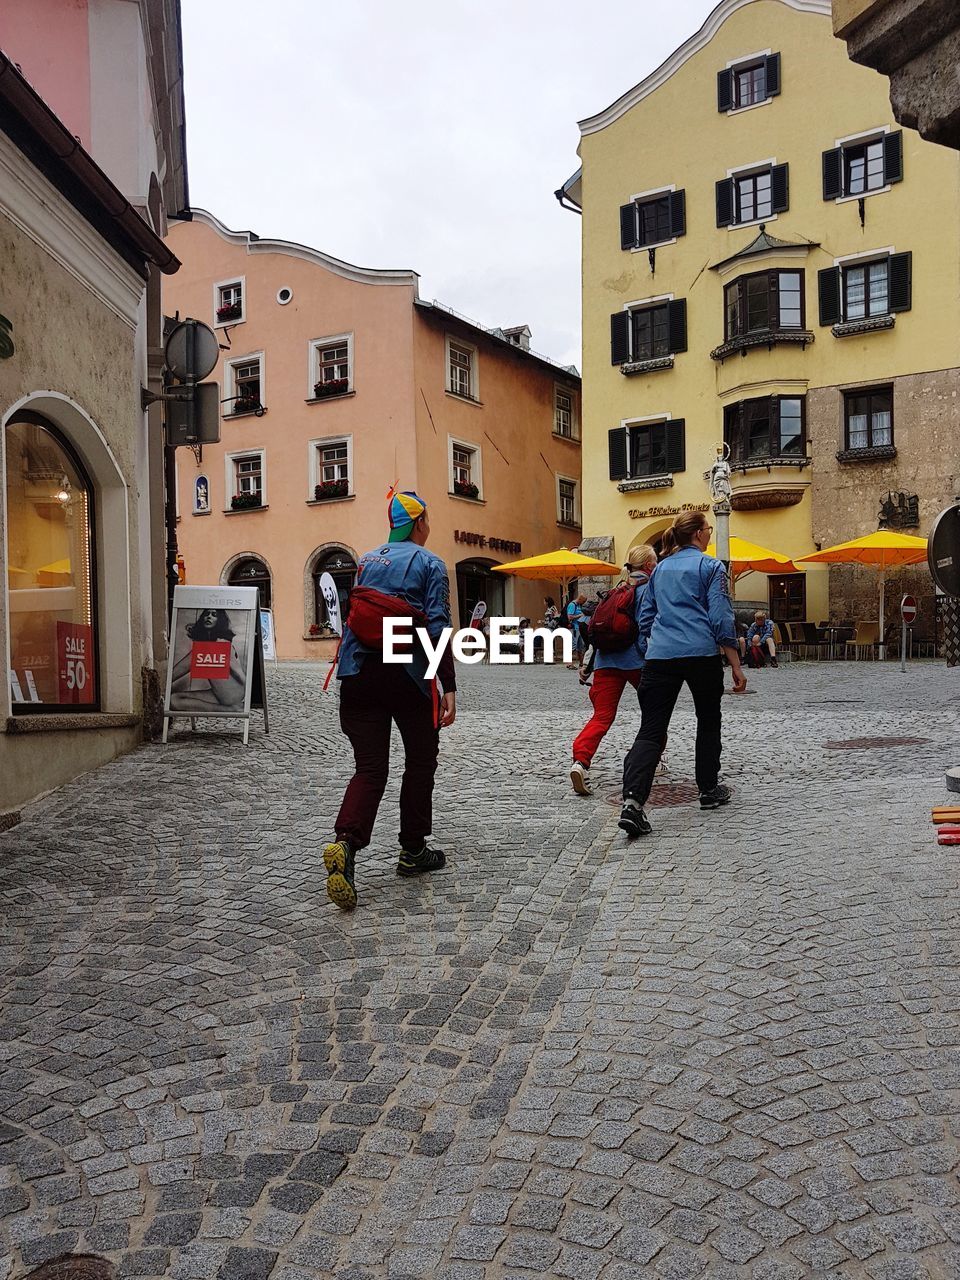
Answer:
(343, 569)
(50, 571)
(252, 572)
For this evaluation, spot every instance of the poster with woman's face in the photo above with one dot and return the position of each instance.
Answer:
(212, 651)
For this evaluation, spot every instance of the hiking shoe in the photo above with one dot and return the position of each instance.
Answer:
(715, 798)
(774, 662)
(580, 777)
(415, 864)
(338, 859)
(634, 821)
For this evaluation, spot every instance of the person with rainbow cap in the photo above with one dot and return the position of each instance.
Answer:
(400, 578)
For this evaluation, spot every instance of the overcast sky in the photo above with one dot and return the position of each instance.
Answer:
(418, 133)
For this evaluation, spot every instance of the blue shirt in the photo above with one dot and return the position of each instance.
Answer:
(419, 577)
(632, 658)
(686, 610)
(574, 613)
(762, 629)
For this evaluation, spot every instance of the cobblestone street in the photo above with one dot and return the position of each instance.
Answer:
(729, 1050)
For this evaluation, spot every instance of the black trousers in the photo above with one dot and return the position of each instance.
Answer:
(659, 690)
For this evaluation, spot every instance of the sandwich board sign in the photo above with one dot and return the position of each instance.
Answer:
(215, 666)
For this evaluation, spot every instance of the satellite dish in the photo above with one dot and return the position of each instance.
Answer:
(192, 350)
(943, 551)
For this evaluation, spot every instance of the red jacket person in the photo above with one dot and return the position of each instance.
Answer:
(400, 578)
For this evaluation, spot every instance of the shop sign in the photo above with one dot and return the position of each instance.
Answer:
(652, 513)
(75, 682)
(6, 341)
(481, 540)
(899, 511)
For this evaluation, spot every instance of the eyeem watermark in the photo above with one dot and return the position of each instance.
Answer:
(470, 645)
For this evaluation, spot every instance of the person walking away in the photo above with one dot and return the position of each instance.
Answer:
(574, 615)
(400, 579)
(685, 619)
(760, 644)
(618, 660)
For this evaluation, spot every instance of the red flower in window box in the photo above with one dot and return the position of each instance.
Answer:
(245, 501)
(331, 489)
(315, 628)
(466, 489)
(232, 311)
(336, 387)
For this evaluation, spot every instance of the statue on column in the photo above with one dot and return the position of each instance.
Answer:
(718, 477)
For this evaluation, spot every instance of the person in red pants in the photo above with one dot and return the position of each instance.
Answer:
(400, 579)
(613, 671)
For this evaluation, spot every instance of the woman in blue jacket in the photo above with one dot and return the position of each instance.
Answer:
(686, 619)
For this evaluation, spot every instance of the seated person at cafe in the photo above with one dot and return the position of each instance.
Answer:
(758, 647)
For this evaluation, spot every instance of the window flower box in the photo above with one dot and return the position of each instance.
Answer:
(246, 501)
(331, 489)
(232, 311)
(315, 629)
(466, 489)
(245, 404)
(335, 387)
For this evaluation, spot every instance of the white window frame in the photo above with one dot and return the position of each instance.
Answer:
(314, 347)
(230, 476)
(639, 198)
(863, 259)
(225, 284)
(559, 387)
(476, 465)
(858, 139)
(577, 514)
(313, 461)
(451, 339)
(743, 61)
(230, 384)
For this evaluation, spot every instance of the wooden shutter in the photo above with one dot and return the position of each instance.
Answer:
(893, 157)
(617, 444)
(678, 213)
(828, 289)
(833, 174)
(780, 188)
(900, 281)
(774, 438)
(628, 225)
(725, 89)
(677, 324)
(676, 449)
(773, 75)
(619, 337)
(725, 214)
(732, 421)
(773, 299)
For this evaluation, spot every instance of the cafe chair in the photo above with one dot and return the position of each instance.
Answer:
(865, 640)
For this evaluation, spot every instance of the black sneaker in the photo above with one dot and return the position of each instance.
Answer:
(338, 859)
(634, 821)
(715, 798)
(415, 864)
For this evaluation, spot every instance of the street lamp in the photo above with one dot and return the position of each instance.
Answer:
(718, 478)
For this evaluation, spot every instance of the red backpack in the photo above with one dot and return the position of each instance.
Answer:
(613, 626)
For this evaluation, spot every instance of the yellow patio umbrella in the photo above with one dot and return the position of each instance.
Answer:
(557, 566)
(882, 550)
(750, 557)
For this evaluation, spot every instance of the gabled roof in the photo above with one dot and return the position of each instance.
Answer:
(764, 243)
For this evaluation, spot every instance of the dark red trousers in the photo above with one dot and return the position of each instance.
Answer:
(370, 703)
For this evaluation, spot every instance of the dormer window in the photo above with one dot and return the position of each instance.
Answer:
(748, 82)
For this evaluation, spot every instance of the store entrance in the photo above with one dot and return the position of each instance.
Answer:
(475, 582)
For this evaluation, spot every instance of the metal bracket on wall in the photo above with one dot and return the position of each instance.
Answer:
(652, 255)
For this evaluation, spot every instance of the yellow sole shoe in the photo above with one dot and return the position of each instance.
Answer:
(338, 859)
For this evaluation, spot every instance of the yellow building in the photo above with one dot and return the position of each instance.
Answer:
(767, 261)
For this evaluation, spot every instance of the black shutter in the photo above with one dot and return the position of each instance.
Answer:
(773, 75)
(678, 213)
(732, 416)
(832, 174)
(628, 225)
(900, 281)
(619, 337)
(724, 90)
(725, 215)
(617, 443)
(828, 288)
(773, 300)
(774, 426)
(677, 324)
(676, 449)
(893, 157)
(779, 188)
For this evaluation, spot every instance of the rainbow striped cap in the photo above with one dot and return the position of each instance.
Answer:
(403, 510)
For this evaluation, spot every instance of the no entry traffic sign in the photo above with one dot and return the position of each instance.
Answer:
(908, 609)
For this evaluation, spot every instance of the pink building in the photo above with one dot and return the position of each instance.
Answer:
(338, 381)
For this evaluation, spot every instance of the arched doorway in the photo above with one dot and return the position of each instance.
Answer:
(250, 571)
(476, 582)
(652, 534)
(342, 568)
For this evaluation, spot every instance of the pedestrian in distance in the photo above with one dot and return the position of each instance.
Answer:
(398, 579)
(551, 614)
(759, 645)
(686, 619)
(573, 616)
(618, 660)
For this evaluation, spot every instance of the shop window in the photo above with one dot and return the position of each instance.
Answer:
(343, 570)
(50, 571)
(788, 598)
(252, 572)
